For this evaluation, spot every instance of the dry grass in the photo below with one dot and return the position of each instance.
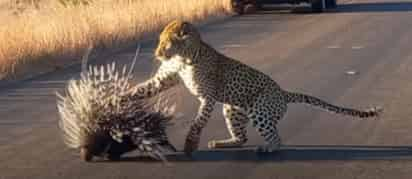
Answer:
(52, 31)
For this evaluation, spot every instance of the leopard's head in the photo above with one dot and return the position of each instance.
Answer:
(177, 38)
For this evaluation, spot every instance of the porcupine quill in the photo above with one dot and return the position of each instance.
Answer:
(97, 119)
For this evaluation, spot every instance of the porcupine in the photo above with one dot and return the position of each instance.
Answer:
(98, 118)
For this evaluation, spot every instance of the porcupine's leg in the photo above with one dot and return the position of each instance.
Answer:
(116, 149)
(203, 115)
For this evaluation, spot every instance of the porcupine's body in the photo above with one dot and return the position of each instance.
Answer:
(98, 118)
(246, 93)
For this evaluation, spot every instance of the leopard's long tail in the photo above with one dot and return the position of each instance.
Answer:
(314, 101)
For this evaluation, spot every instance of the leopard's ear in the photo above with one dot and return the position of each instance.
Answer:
(185, 29)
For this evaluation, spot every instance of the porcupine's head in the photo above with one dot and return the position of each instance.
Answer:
(98, 119)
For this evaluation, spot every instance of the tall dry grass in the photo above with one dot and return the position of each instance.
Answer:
(57, 32)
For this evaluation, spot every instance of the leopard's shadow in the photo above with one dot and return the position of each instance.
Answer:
(291, 153)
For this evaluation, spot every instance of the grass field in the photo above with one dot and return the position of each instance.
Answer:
(46, 31)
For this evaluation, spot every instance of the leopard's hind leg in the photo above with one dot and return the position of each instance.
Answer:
(269, 108)
(236, 122)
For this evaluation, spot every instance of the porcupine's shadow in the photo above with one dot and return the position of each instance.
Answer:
(292, 153)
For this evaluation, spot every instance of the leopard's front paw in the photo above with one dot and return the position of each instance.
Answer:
(191, 145)
(211, 144)
(85, 154)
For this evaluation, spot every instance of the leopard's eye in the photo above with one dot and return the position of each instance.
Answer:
(182, 33)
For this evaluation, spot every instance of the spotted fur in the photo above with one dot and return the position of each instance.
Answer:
(246, 93)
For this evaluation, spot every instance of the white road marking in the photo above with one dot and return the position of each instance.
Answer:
(333, 47)
(357, 47)
(233, 46)
(352, 72)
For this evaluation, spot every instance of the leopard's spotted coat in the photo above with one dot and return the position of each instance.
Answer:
(246, 93)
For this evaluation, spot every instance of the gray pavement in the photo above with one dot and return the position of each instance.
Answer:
(304, 52)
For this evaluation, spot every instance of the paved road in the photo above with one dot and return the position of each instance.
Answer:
(304, 52)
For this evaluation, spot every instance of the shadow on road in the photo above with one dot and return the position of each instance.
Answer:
(293, 153)
(344, 8)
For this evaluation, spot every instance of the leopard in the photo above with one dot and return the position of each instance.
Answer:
(246, 94)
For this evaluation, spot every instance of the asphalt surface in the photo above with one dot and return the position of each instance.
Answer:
(310, 53)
